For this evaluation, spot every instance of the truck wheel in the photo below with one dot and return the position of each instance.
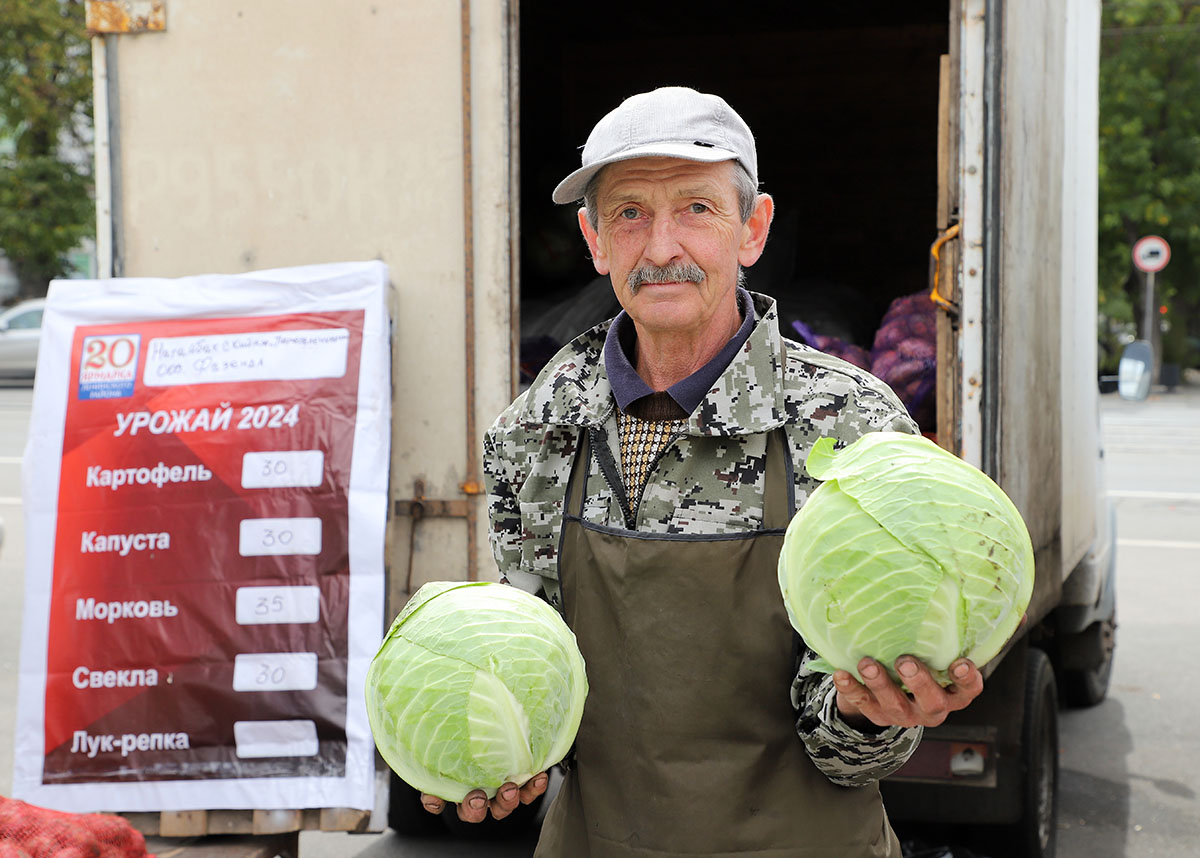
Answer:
(1088, 686)
(1034, 835)
(407, 816)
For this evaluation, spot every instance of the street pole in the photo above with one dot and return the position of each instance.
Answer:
(1137, 369)
(1149, 312)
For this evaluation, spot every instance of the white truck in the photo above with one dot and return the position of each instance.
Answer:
(232, 137)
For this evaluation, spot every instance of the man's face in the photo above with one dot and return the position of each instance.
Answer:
(660, 212)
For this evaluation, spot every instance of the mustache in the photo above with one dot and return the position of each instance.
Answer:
(674, 272)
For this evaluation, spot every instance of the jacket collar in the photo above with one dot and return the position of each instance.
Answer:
(574, 389)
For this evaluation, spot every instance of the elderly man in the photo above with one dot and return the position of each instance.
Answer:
(643, 484)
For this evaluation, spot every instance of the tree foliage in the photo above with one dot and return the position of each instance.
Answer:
(46, 206)
(1150, 164)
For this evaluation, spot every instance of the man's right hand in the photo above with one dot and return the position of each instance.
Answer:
(475, 805)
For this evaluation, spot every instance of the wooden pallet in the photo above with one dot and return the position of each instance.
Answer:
(199, 823)
(240, 833)
(263, 823)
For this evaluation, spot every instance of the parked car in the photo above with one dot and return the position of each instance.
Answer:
(20, 331)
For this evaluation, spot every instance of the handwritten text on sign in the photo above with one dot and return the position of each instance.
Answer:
(254, 356)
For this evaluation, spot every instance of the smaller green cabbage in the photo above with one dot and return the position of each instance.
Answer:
(905, 549)
(475, 685)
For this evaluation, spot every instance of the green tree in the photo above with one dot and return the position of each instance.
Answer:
(1150, 161)
(46, 207)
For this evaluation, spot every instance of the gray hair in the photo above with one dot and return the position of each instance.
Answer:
(747, 194)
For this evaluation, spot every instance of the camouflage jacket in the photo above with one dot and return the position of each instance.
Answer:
(709, 480)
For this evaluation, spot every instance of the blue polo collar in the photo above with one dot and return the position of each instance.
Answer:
(628, 387)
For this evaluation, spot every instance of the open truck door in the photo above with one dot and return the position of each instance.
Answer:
(944, 150)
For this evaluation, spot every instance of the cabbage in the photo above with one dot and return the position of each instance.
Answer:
(904, 549)
(474, 686)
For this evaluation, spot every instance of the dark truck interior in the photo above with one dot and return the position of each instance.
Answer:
(843, 102)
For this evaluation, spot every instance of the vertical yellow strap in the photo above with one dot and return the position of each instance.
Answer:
(936, 251)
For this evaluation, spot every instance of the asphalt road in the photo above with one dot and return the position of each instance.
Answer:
(1129, 766)
(14, 427)
(1129, 774)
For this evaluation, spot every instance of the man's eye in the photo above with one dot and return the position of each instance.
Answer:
(699, 208)
(629, 213)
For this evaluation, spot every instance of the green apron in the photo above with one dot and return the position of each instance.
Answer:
(688, 745)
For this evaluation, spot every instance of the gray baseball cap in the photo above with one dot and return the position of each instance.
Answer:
(673, 121)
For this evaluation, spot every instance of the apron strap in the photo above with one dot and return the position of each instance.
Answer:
(577, 482)
(779, 503)
(779, 489)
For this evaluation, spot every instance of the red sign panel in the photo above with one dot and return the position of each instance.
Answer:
(195, 625)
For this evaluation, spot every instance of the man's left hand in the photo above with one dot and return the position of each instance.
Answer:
(882, 702)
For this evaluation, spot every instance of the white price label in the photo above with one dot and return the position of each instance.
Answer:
(275, 671)
(263, 537)
(275, 738)
(283, 469)
(251, 356)
(264, 605)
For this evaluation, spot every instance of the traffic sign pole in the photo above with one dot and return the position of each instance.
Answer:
(1149, 312)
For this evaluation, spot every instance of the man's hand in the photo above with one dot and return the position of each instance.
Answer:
(475, 805)
(882, 702)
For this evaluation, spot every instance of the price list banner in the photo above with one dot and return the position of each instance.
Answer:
(205, 491)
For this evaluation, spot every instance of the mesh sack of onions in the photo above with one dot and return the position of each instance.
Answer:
(905, 355)
(28, 831)
(839, 348)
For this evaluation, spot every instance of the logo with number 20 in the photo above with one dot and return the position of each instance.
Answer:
(108, 365)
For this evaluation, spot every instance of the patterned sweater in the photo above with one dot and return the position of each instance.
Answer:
(708, 480)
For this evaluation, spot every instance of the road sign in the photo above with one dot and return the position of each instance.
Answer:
(1151, 253)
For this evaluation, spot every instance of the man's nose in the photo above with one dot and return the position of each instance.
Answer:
(662, 245)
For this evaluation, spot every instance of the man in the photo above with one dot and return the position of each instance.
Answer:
(643, 483)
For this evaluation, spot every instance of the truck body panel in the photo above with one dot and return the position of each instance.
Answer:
(1028, 290)
(1047, 438)
(1085, 518)
(282, 134)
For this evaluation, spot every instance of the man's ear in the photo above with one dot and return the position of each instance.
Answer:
(599, 259)
(754, 231)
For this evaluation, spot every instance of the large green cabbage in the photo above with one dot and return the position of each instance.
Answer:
(904, 549)
(475, 685)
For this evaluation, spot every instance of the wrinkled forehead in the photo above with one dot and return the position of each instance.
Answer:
(666, 176)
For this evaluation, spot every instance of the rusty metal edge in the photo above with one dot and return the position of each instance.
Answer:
(117, 17)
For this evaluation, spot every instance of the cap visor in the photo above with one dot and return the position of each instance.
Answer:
(571, 188)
